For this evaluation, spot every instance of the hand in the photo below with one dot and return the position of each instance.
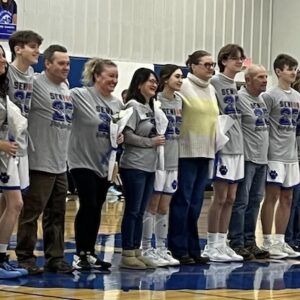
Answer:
(9, 147)
(159, 140)
(120, 138)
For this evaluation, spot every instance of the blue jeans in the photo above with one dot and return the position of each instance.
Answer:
(185, 207)
(138, 187)
(245, 209)
(292, 234)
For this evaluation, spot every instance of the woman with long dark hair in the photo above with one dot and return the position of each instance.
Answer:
(138, 165)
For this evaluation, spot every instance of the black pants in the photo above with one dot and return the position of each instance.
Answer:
(92, 191)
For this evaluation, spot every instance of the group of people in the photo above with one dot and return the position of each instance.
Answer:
(44, 124)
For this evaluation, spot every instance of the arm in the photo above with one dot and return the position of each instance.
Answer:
(144, 142)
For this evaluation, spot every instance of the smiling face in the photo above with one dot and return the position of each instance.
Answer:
(59, 66)
(287, 74)
(174, 82)
(149, 87)
(29, 53)
(233, 64)
(107, 80)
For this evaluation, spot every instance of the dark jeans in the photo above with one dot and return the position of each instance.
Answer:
(292, 234)
(245, 209)
(185, 207)
(92, 191)
(138, 187)
(47, 195)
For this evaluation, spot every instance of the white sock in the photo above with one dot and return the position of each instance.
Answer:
(148, 229)
(161, 230)
(268, 239)
(212, 239)
(279, 238)
(222, 238)
(3, 248)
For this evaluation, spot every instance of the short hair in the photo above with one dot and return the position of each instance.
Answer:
(284, 59)
(165, 73)
(229, 50)
(49, 52)
(94, 66)
(195, 57)
(22, 38)
(139, 77)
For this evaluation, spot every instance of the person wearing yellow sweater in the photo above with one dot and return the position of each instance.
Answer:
(196, 149)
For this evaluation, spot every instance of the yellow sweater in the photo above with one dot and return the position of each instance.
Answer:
(199, 118)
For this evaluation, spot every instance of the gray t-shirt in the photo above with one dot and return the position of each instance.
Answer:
(139, 151)
(49, 125)
(227, 96)
(89, 145)
(255, 127)
(20, 88)
(172, 109)
(283, 107)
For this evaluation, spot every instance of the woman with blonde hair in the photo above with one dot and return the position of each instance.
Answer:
(89, 151)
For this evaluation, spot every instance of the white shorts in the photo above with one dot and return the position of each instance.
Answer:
(284, 174)
(229, 167)
(16, 175)
(165, 181)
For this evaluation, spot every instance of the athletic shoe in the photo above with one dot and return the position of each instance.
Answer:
(232, 254)
(257, 252)
(112, 190)
(165, 254)
(81, 263)
(112, 198)
(290, 251)
(58, 265)
(216, 254)
(23, 271)
(276, 250)
(8, 272)
(185, 260)
(244, 253)
(96, 262)
(155, 258)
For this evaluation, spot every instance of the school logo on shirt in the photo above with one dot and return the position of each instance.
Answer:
(223, 170)
(104, 114)
(261, 113)
(62, 110)
(230, 100)
(288, 115)
(175, 120)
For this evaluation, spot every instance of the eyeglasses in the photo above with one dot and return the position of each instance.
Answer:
(237, 58)
(207, 66)
(153, 81)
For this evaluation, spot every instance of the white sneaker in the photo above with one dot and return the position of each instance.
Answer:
(165, 254)
(276, 250)
(215, 254)
(290, 251)
(153, 257)
(112, 190)
(232, 254)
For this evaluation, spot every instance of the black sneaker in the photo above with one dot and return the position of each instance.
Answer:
(257, 252)
(185, 260)
(200, 260)
(244, 253)
(81, 263)
(31, 266)
(96, 262)
(58, 265)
